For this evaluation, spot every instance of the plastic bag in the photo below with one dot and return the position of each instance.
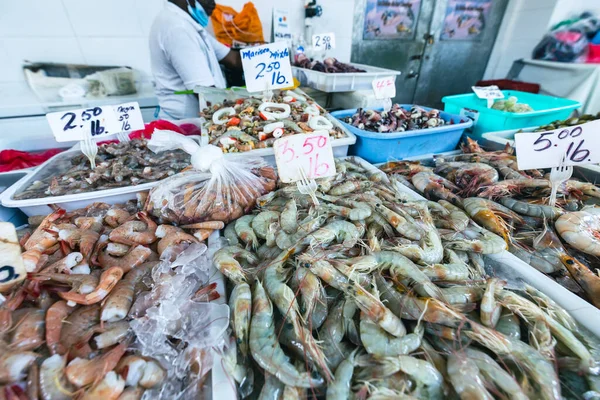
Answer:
(229, 25)
(568, 43)
(216, 189)
(112, 82)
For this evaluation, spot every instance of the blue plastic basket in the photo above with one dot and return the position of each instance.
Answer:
(378, 147)
(546, 109)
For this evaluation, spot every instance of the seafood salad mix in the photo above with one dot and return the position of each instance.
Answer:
(117, 165)
(398, 119)
(372, 293)
(65, 328)
(250, 123)
(561, 241)
(329, 65)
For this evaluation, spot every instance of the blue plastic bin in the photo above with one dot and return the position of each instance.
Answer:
(546, 110)
(378, 147)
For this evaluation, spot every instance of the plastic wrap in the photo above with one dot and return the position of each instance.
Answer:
(569, 42)
(215, 189)
(180, 332)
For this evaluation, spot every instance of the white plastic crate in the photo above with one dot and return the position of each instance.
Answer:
(341, 82)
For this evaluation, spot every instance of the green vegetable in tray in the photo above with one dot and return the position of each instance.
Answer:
(511, 105)
(568, 122)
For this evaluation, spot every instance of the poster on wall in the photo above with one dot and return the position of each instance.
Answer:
(466, 20)
(281, 25)
(391, 19)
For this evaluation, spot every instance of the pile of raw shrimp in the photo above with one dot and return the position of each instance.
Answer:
(65, 328)
(561, 241)
(373, 294)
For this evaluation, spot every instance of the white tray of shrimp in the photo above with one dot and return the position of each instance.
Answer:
(518, 273)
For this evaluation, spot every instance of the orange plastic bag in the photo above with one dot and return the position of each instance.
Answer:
(230, 25)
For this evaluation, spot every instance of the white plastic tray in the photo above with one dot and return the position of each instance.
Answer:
(68, 202)
(340, 146)
(341, 82)
(498, 140)
(509, 267)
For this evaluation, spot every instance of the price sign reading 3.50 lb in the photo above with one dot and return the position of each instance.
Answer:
(267, 67)
(579, 144)
(324, 41)
(95, 122)
(312, 152)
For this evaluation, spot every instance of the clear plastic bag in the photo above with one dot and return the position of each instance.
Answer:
(215, 189)
(568, 43)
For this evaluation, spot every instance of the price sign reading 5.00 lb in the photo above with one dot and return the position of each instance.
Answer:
(579, 144)
(312, 152)
(267, 67)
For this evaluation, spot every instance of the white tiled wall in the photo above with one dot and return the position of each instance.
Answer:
(115, 32)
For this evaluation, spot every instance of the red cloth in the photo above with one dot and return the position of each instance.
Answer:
(12, 160)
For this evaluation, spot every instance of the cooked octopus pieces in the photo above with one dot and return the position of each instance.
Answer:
(398, 119)
(117, 165)
(329, 65)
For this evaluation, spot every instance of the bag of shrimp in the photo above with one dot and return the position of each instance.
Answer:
(213, 188)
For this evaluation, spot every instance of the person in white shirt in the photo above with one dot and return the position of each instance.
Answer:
(183, 55)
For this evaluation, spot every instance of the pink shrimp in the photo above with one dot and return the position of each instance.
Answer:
(28, 333)
(55, 316)
(40, 238)
(136, 256)
(108, 280)
(116, 216)
(172, 237)
(135, 232)
(82, 372)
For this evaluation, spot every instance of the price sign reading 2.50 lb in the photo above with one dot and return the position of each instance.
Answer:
(96, 122)
(312, 152)
(267, 67)
(324, 41)
(579, 144)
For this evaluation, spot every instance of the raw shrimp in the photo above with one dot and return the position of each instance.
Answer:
(284, 298)
(404, 224)
(377, 312)
(475, 239)
(289, 217)
(28, 332)
(81, 372)
(41, 239)
(313, 296)
(379, 343)
(116, 217)
(120, 299)
(531, 210)
(490, 309)
(240, 304)
(589, 281)
(488, 214)
(64, 265)
(244, 231)
(581, 229)
(53, 381)
(353, 214)
(107, 282)
(136, 256)
(435, 187)
(225, 260)
(342, 231)
(272, 389)
(230, 234)
(112, 333)
(14, 363)
(170, 236)
(79, 283)
(260, 223)
(265, 348)
(324, 270)
(135, 232)
(77, 325)
(456, 219)
(132, 393)
(465, 378)
(339, 389)
(349, 187)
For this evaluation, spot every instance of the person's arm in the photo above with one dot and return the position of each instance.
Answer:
(233, 60)
(226, 56)
(189, 59)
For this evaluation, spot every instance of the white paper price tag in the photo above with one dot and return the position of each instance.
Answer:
(98, 122)
(579, 144)
(488, 92)
(324, 41)
(384, 88)
(312, 152)
(12, 269)
(267, 67)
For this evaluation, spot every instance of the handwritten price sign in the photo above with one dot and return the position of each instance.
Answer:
(384, 88)
(312, 152)
(267, 67)
(96, 122)
(12, 270)
(579, 144)
(324, 41)
(488, 92)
